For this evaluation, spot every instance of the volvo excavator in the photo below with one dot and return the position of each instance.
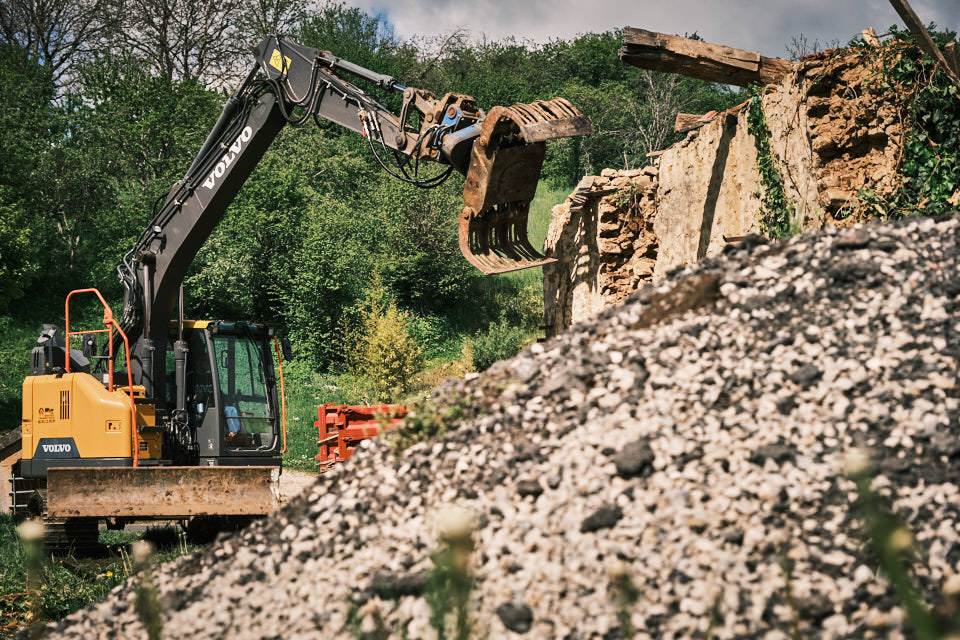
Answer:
(156, 416)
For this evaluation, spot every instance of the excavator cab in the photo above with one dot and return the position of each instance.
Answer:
(231, 390)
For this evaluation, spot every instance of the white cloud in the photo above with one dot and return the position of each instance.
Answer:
(762, 25)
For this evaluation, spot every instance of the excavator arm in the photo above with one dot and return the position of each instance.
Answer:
(500, 153)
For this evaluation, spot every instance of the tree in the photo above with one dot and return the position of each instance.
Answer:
(25, 118)
(258, 18)
(350, 34)
(205, 41)
(118, 147)
(57, 34)
(18, 267)
(24, 140)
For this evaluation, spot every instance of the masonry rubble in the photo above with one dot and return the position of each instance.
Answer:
(691, 442)
(835, 135)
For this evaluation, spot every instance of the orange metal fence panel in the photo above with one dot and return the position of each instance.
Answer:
(340, 428)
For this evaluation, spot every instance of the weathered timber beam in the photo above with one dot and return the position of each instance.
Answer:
(953, 59)
(689, 121)
(913, 22)
(699, 59)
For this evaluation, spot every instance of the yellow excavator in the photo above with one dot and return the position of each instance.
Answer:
(154, 416)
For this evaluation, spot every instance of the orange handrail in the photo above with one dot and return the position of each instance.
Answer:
(110, 325)
(283, 397)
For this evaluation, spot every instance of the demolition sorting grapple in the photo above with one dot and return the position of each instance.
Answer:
(504, 170)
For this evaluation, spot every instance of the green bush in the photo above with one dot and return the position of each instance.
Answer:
(500, 341)
(386, 353)
(437, 336)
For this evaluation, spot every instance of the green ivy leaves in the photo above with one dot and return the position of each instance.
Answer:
(777, 210)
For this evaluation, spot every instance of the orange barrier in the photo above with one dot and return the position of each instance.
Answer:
(283, 396)
(340, 428)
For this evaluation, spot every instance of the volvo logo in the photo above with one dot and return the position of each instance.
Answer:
(228, 158)
(56, 448)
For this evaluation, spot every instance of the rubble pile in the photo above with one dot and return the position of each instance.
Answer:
(688, 444)
(856, 130)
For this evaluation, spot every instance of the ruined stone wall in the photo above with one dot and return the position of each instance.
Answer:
(833, 134)
(603, 234)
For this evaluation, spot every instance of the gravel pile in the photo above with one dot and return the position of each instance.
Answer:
(690, 442)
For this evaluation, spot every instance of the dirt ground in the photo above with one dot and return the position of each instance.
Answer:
(293, 482)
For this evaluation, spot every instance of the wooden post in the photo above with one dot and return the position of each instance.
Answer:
(699, 59)
(913, 22)
(953, 59)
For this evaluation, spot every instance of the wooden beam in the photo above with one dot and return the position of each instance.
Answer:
(689, 121)
(699, 59)
(913, 22)
(953, 59)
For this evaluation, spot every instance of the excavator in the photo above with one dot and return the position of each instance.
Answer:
(159, 417)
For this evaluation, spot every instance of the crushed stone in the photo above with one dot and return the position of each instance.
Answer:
(698, 451)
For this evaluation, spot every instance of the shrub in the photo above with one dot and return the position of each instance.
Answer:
(436, 335)
(501, 340)
(387, 355)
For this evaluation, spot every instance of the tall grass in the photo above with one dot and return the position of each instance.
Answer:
(61, 586)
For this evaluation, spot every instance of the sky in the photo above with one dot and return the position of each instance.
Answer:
(758, 25)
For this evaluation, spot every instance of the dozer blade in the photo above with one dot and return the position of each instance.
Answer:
(505, 166)
(160, 492)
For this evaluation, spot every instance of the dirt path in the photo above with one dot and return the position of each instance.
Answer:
(292, 482)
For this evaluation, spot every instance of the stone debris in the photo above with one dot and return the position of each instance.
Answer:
(855, 128)
(699, 458)
(604, 233)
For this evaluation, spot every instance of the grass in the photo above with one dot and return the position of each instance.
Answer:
(538, 224)
(67, 584)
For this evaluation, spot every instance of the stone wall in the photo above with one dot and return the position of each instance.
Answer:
(603, 235)
(833, 134)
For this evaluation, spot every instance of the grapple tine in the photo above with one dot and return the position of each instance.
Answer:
(502, 179)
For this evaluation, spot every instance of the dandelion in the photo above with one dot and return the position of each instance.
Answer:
(141, 551)
(900, 540)
(455, 523)
(30, 531)
(856, 463)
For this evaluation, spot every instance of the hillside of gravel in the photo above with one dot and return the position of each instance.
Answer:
(690, 442)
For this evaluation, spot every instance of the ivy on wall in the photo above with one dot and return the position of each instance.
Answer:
(777, 210)
(930, 108)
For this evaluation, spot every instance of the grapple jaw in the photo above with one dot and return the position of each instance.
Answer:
(504, 170)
